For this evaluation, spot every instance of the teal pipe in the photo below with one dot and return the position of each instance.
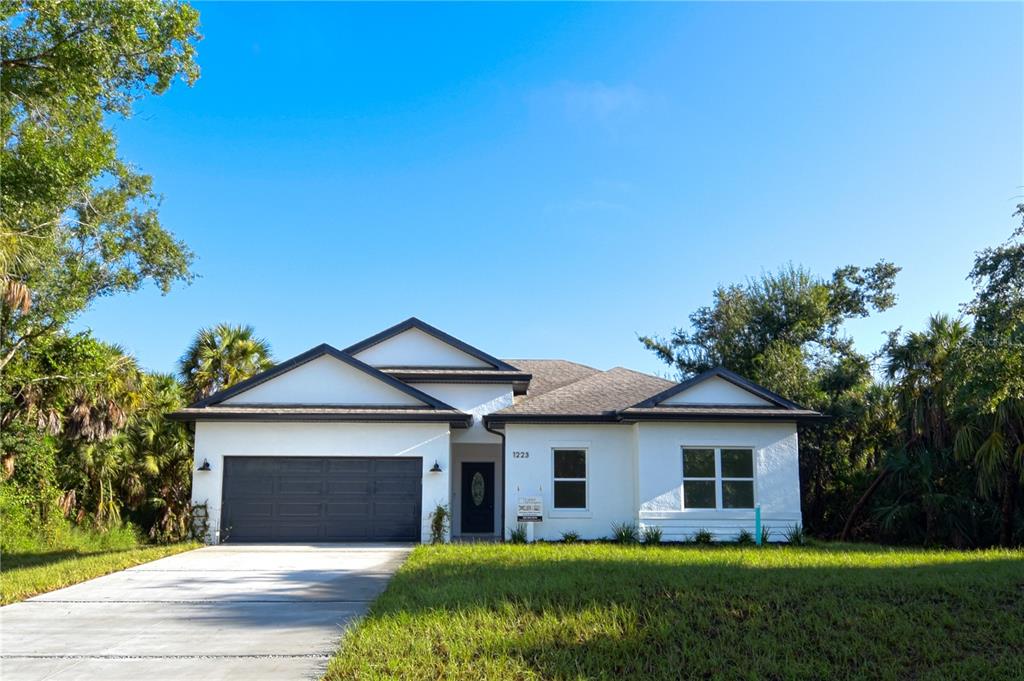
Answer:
(757, 524)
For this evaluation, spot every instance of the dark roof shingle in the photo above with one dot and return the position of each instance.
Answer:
(599, 393)
(551, 374)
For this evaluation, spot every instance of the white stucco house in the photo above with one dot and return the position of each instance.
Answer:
(362, 444)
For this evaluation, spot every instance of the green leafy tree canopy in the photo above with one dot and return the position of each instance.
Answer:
(76, 221)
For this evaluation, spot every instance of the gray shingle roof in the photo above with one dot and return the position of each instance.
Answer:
(551, 374)
(599, 393)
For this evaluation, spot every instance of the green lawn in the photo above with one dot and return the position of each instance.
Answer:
(602, 611)
(26, 574)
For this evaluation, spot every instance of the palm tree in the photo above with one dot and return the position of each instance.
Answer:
(992, 433)
(221, 356)
(922, 367)
(161, 452)
(98, 407)
(991, 399)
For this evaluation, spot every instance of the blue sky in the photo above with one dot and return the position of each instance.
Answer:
(551, 180)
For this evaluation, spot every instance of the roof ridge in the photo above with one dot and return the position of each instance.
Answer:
(550, 359)
(643, 373)
(422, 326)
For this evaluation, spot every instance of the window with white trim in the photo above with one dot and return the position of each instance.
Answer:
(570, 480)
(718, 477)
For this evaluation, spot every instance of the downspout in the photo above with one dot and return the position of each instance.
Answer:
(504, 481)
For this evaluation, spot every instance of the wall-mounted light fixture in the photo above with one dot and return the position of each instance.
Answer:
(436, 468)
(205, 466)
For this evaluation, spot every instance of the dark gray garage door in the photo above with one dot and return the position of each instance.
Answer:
(321, 499)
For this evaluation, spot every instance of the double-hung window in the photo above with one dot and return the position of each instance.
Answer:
(718, 477)
(570, 483)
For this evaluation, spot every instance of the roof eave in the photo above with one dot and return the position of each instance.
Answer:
(456, 421)
(498, 420)
(519, 381)
(631, 417)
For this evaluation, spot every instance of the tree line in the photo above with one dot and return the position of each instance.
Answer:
(926, 438)
(925, 444)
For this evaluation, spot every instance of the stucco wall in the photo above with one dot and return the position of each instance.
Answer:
(215, 440)
(414, 348)
(610, 476)
(325, 380)
(660, 477)
(473, 398)
(716, 391)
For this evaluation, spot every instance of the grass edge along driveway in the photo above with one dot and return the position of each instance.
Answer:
(35, 574)
(483, 611)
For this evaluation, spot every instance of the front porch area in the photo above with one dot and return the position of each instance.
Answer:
(476, 494)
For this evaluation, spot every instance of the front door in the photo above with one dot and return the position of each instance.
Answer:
(477, 497)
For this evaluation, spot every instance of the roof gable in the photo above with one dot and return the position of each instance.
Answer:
(414, 343)
(718, 387)
(323, 376)
(716, 390)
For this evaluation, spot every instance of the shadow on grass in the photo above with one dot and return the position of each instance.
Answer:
(40, 558)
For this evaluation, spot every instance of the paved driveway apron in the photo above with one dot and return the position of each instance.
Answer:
(223, 612)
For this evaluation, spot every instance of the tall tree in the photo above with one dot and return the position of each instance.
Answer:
(785, 331)
(921, 368)
(991, 399)
(159, 481)
(76, 221)
(221, 356)
(777, 323)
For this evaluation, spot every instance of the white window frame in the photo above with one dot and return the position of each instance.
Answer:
(585, 479)
(718, 479)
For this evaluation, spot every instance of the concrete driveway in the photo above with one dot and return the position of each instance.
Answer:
(223, 612)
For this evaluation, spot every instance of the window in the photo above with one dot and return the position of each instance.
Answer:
(570, 478)
(718, 477)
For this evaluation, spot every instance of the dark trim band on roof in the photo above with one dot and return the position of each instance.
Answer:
(697, 414)
(309, 356)
(726, 375)
(414, 323)
(520, 380)
(428, 373)
(499, 420)
(662, 414)
(455, 419)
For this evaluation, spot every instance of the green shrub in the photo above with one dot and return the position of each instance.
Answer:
(766, 534)
(745, 538)
(625, 533)
(570, 537)
(440, 519)
(703, 536)
(651, 535)
(518, 534)
(24, 532)
(796, 535)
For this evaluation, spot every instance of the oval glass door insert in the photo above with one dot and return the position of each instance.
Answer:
(477, 488)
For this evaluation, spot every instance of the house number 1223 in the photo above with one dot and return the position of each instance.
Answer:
(520, 455)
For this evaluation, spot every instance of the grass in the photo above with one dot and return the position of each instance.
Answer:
(598, 611)
(23, 575)
(38, 555)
